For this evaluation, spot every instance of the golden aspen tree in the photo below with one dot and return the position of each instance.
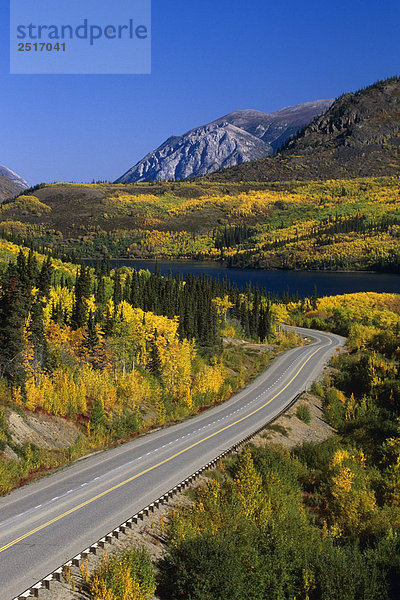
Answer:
(248, 486)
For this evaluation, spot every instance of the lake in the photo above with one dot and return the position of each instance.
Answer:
(301, 282)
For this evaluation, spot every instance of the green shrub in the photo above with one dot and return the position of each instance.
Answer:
(317, 389)
(303, 413)
(205, 568)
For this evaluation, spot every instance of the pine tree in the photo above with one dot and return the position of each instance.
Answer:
(32, 267)
(100, 291)
(82, 293)
(91, 338)
(98, 417)
(57, 313)
(314, 298)
(45, 275)
(117, 292)
(13, 312)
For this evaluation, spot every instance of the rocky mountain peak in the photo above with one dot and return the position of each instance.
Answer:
(237, 137)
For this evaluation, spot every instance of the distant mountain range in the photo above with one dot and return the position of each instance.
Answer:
(11, 183)
(238, 137)
(359, 135)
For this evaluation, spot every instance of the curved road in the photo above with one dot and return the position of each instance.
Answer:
(52, 520)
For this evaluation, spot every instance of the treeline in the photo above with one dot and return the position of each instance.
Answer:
(287, 251)
(193, 301)
(33, 244)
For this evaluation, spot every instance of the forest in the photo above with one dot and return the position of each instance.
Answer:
(118, 351)
(349, 224)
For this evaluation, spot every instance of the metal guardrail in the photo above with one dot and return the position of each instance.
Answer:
(57, 574)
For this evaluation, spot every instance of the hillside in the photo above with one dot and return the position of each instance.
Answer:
(11, 183)
(344, 224)
(358, 136)
(238, 137)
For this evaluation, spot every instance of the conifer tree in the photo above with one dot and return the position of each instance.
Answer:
(100, 290)
(82, 293)
(91, 338)
(13, 312)
(45, 275)
(314, 298)
(98, 417)
(117, 290)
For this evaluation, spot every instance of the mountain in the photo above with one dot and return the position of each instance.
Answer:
(359, 135)
(11, 183)
(238, 137)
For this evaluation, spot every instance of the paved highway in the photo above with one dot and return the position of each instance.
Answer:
(48, 522)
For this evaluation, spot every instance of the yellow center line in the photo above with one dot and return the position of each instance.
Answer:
(163, 462)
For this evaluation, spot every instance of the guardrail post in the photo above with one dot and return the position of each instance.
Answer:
(46, 581)
(35, 590)
(57, 574)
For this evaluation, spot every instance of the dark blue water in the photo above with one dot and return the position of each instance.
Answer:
(301, 282)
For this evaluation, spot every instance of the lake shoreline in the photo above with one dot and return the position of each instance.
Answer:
(279, 282)
(220, 265)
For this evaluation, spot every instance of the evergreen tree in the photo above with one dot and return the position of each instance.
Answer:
(57, 313)
(314, 298)
(98, 417)
(45, 275)
(109, 321)
(82, 293)
(32, 267)
(91, 338)
(13, 312)
(100, 290)
(117, 290)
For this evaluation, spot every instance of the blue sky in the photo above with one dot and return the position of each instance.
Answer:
(209, 58)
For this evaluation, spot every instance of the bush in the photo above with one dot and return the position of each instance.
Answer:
(317, 389)
(122, 576)
(204, 568)
(303, 413)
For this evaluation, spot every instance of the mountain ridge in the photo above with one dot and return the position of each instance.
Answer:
(237, 137)
(359, 135)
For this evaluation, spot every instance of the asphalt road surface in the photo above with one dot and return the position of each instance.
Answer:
(50, 521)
